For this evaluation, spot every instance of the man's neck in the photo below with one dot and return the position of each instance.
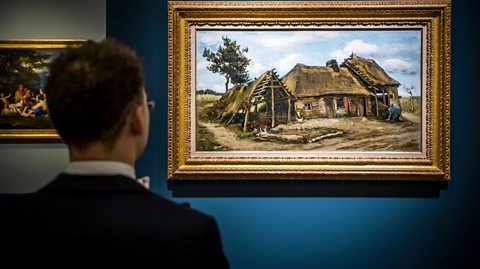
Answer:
(100, 152)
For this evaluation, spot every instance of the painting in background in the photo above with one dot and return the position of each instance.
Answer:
(24, 66)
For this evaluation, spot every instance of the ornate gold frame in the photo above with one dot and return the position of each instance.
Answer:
(433, 15)
(35, 134)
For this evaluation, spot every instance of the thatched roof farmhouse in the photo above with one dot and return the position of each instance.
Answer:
(358, 87)
(325, 91)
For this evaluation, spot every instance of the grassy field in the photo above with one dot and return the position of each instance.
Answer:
(203, 102)
(206, 100)
(204, 138)
(407, 106)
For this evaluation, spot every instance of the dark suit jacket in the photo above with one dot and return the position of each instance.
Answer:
(90, 220)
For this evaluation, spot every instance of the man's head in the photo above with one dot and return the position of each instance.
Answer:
(96, 95)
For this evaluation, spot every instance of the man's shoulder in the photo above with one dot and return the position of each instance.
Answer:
(113, 192)
(109, 197)
(156, 202)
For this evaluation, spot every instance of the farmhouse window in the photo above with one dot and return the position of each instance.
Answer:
(308, 106)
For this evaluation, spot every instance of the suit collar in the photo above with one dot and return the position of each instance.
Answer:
(93, 183)
(100, 168)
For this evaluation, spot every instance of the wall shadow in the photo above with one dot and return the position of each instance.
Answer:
(303, 188)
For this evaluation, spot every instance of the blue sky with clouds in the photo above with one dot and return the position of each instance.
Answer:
(397, 51)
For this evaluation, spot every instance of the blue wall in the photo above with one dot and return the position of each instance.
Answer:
(326, 224)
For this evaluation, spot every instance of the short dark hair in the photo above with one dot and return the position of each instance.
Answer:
(91, 90)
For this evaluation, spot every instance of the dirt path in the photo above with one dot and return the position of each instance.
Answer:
(227, 138)
(359, 134)
(410, 117)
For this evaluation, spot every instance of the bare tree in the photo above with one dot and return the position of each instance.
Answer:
(410, 91)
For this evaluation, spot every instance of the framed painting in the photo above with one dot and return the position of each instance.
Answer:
(309, 90)
(23, 74)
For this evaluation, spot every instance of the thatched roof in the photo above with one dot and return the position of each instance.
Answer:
(369, 70)
(306, 81)
(239, 96)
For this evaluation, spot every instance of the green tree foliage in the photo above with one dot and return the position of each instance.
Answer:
(20, 66)
(208, 91)
(230, 61)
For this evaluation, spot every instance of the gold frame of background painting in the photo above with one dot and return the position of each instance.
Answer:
(285, 123)
(25, 62)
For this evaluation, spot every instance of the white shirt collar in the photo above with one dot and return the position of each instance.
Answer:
(100, 168)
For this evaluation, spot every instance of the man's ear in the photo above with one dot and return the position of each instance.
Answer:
(137, 121)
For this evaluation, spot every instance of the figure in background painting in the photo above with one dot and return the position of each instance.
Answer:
(25, 112)
(26, 104)
(40, 108)
(394, 112)
(19, 94)
(42, 93)
(5, 99)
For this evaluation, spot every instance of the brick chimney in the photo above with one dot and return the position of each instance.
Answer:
(333, 64)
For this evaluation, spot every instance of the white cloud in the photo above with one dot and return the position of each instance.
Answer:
(201, 86)
(276, 40)
(287, 63)
(202, 66)
(356, 46)
(398, 66)
(210, 38)
(219, 87)
(402, 50)
(256, 69)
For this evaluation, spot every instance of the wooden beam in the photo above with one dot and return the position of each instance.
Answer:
(257, 90)
(246, 120)
(289, 117)
(383, 95)
(229, 121)
(268, 86)
(334, 105)
(273, 107)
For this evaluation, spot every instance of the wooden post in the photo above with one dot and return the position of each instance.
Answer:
(233, 115)
(348, 106)
(357, 111)
(297, 114)
(273, 104)
(365, 106)
(246, 120)
(334, 105)
(383, 95)
(376, 106)
(289, 116)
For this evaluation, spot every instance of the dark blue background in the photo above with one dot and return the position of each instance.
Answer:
(327, 224)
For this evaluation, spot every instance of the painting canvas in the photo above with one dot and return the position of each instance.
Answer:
(314, 90)
(23, 75)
